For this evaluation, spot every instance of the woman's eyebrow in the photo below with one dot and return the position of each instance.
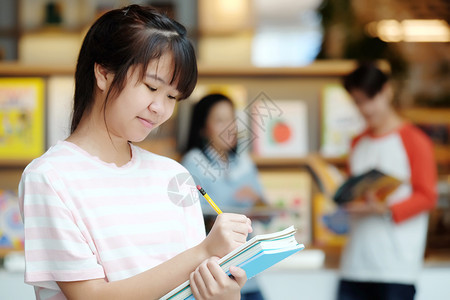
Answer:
(154, 76)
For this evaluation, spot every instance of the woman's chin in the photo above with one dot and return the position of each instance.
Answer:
(137, 139)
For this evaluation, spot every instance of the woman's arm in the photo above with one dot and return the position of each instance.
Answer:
(229, 231)
(423, 196)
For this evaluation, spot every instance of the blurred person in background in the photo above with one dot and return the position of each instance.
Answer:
(212, 157)
(384, 253)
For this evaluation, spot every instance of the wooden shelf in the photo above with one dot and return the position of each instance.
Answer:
(321, 68)
(279, 162)
(18, 69)
(4, 251)
(424, 115)
(12, 163)
(288, 162)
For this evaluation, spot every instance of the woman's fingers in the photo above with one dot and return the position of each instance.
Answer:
(229, 231)
(209, 281)
(239, 275)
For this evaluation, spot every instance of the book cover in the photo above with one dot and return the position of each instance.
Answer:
(340, 121)
(22, 129)
(254, 256)
(288, 196)
(356, 186)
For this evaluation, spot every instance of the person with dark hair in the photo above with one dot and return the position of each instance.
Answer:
(99, 220)
(217, 164)
(384, 253)
(213, 157)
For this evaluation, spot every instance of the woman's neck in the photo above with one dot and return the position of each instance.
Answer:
(96, 141)
(222, 154)
(390, 123)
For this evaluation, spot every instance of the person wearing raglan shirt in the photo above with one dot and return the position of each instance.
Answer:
(384, 253)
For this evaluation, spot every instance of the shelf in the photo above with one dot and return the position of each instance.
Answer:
(289, 162)
(424, 115)
(12, 163)
(5, 251)
(322, 68)
(18, 69)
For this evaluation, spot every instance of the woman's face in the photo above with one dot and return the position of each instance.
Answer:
(220, 127)
(143, 105)
(375, 109)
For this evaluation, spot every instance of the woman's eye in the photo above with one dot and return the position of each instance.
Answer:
(152, 88)
(172, 97)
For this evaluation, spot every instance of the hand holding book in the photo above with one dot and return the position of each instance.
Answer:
(208, 280)
(372, 185)
(256, 255)
(371, 205)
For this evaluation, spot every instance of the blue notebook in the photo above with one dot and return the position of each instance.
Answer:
(256, 255)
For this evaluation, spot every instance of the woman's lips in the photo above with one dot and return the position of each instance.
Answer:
(146, 123)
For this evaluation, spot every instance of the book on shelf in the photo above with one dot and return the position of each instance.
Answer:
(254, 256)
(327, 176)
(374, 180)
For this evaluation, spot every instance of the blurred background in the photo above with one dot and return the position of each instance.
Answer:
(281, 62)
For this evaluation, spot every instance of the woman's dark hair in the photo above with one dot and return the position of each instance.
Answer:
(366, 78)
(199, 116)
(131, 36)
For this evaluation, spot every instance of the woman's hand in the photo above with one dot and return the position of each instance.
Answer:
(228, 232)
(247, 194)
(209, 281)
(369, 206)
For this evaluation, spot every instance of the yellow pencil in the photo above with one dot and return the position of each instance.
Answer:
(210, 201)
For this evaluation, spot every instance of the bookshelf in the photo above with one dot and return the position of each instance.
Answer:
(279, 83)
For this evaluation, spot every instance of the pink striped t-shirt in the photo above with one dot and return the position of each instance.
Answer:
(86, 219)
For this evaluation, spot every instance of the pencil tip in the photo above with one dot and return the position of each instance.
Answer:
(199, 187)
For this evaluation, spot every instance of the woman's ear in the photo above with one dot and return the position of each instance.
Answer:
(101, 77)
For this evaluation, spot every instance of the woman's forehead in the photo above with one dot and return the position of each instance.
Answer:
(161, 69)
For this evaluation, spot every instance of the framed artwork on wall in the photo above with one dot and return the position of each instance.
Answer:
(280, 127)
(22, 120)
(340, 121)
(288, 195)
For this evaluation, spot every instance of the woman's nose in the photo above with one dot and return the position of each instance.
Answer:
(157, 105)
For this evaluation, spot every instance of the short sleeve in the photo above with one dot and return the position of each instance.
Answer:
(195, 226)
(56, 244)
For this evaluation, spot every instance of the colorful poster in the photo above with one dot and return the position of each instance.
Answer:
(280, 127)
(11, 226)
(341, 121)
(288, 195)
(21, 118)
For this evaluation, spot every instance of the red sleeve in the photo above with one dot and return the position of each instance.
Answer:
(423, 175)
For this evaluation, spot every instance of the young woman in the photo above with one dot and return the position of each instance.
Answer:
(213, 158)
(99, 223)
(384, 253)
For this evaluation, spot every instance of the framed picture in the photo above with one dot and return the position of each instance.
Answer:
(280, 127)
(288, 194)
(341, 121)
(11, 226)
(21, 118)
